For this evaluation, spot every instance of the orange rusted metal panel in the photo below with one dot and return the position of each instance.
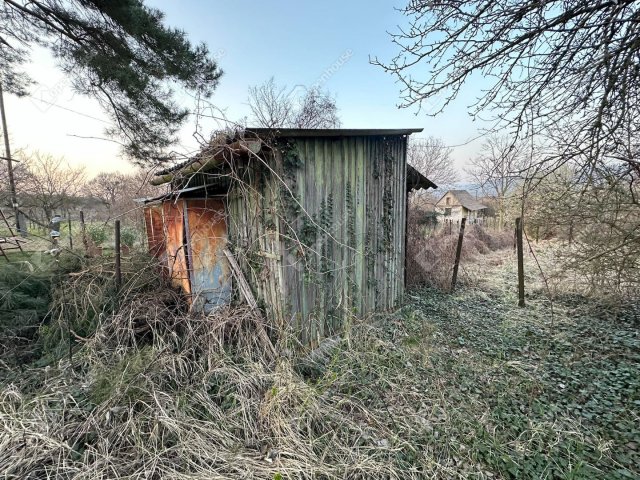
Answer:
(207, 238)
(155, 230)
(174, 234)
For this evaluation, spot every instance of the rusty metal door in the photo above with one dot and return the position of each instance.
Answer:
(173, 216)
(206, 233)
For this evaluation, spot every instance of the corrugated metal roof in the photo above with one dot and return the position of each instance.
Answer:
(465, 199)
(332, 132)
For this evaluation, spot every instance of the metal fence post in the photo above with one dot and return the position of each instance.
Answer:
(118, 257)
(458, 254)
(520, 262)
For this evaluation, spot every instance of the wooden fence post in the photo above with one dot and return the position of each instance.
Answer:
(520, 262)
(83, 229)
(118, 257)
(458, 254)
(70, 234)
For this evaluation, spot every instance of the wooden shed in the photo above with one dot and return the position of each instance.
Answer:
(316, 220)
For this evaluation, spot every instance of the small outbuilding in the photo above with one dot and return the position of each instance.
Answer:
(455, 205)
(315, 220)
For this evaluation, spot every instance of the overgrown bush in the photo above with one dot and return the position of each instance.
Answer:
(81, 300)
(26, 288)
(128, 236)
(598, 220)
(431, 257)
(24, 301)
(97, 234)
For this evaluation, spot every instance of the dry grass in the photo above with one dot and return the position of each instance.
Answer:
(432, 257)
(451, 386)
(158, 393)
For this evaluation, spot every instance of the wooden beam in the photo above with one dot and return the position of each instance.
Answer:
(520, 250)
(208, 162)
(246, 292)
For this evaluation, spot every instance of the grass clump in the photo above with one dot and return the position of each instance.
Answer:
(126, 379)
(84, 297)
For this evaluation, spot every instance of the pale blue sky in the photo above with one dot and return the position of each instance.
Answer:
(296, 42)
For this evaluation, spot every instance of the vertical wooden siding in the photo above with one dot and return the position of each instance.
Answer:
(255, 237)
(353, 190)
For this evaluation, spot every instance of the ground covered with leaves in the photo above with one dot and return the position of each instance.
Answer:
(529, 397)
(463, 385)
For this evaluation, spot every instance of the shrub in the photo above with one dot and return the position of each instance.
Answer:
(128, 236)
(431, 256)
(97, 234)
(81, 301)
(25, 300)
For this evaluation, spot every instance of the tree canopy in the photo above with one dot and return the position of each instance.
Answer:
(277, 106)
(117, 51)
(549, 65)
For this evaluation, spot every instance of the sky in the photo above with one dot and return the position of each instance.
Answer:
(328, 43)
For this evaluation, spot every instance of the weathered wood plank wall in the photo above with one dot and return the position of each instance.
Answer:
(335, 248)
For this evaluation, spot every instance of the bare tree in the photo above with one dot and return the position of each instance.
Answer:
(109, 188)
(316, 109)
(18, 171)
(270, 105)
(431, 157)
(48, 183)
(119, 191)
(274, 106)
(552, 65)
(498, 169)
(563, 74)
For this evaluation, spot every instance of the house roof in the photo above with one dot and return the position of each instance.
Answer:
(332, 132)
(465, 199)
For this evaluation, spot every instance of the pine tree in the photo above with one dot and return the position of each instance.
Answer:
(117, 51)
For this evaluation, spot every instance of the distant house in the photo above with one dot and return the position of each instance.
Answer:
(458, 204)
(315, 219)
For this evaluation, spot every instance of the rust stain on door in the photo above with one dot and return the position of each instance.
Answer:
(155, 230)
(207, 237)
(174, 234)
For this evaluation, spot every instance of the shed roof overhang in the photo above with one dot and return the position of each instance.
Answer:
(416, 180)
(331, 132)
(209, 159)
